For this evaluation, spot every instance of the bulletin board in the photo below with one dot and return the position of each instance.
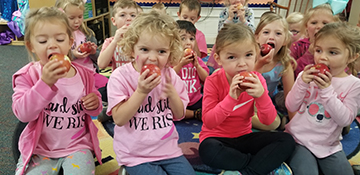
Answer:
(205, 3)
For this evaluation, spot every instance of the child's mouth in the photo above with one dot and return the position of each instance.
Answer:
(272, 45)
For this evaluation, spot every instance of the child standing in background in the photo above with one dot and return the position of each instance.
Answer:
(313, 21)
(325, 103)
(190, 10)
(159, 7)
(277, 66)
(236, 11)
(192, 70)
(295, 24)
(124, 12)
(226, 139)
(74, 10)
(144, 106)
(57, 103)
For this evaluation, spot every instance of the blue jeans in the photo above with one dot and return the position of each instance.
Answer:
(303, 162)
(175, 166)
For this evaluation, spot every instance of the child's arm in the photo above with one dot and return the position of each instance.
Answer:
(175, 102)
(263, 60)
(288, 81)
(183, 61)
(125, 110)
(201, 68)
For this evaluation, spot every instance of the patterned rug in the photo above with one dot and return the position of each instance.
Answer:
(189, 142)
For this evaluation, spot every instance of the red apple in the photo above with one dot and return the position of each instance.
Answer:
(85, 47)
(64, 58)
(153, 70)
(265, 49)
(188, 52)
(321, 67)
(239, 6)
(245, 74)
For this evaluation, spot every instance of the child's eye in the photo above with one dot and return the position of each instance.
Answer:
(313, 22)
(279, 33)
(122, 15)
(71, 18)
(192, 39)
(42, 42)
(182, 38)
(265, 32)
(60, 40)
(333, 53)
(133, 16)
(231, 57)
(162, 51)
(144, 49)
(249, 55)
(317, 50)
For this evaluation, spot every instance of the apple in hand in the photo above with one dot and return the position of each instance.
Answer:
(153, 70)
(265, 49)
(239, 6)
(85, 47)
(64, 58)
(188, 52)
(245, 74)
(321, 67)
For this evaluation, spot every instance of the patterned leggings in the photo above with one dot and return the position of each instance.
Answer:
(77, 163)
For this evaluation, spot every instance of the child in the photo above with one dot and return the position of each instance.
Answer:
(144, 106)
(159, 7)
(325, 103)
(74, 10)
(277, 66)
(313, 21)
(295, 22)
(124, 11)
(226, 139)
(232, 14)
(192, 70)
(57, 104)
(190, 10)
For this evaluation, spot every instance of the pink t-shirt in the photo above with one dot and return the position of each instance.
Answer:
(64, 128)
(201, 41)
(150, 135)
(322, 113)
(190, 77)
(117, 59)
(224, 116)
(80, 38)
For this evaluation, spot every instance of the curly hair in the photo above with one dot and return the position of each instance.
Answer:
(45, 15)
(283, 55)
(348, 35)
(153, 23)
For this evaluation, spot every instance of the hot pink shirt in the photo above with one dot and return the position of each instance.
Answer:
(322, 113)
(224, 116)
(150, 135)
(190, 77)
(117, 59)
(201, 41)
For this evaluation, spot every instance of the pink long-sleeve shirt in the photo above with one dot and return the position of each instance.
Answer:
(224, 116)
(150, 135)
(32, 102)
(201, 42)
(322, 113)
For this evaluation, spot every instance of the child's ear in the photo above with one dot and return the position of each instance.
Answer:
(217, 58)
(257, 38)
(71, 42)
(178, 13)
(353, 58)
(113, 21)
(197, 19)
(29, 47)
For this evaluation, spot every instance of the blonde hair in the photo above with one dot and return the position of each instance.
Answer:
(349, 36)
(191, 5)
(227, 3)
(294, 18)
(153, 23)
(63, 4)
(283, 55)
(234, 33)
(121, 4)
(159, 6)
(324, 8)
(46, 15)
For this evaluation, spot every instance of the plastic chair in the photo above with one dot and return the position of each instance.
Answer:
(292, 6)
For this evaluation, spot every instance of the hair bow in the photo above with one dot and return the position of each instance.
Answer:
(337, 6)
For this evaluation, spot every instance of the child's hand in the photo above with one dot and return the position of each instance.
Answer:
(93, 48)
(323, 81)
(145, 85)
(186, 60)
(232, 10)
(90, 101)
(78, 54)
(168, 90)
(52, 71)
(241, 15)
(235, 90)
(307, 75)
(267, 58)
(119, 34)
(255, 89)
(195, 61)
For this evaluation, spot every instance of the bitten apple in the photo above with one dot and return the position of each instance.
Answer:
(321, 67)
(85, 47)
(188, 52)
(64, 58)
(265, 49)
(153, 70)
(245, 74)
(239, 6)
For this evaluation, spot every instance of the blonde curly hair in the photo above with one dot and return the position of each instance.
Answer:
(153, 23)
